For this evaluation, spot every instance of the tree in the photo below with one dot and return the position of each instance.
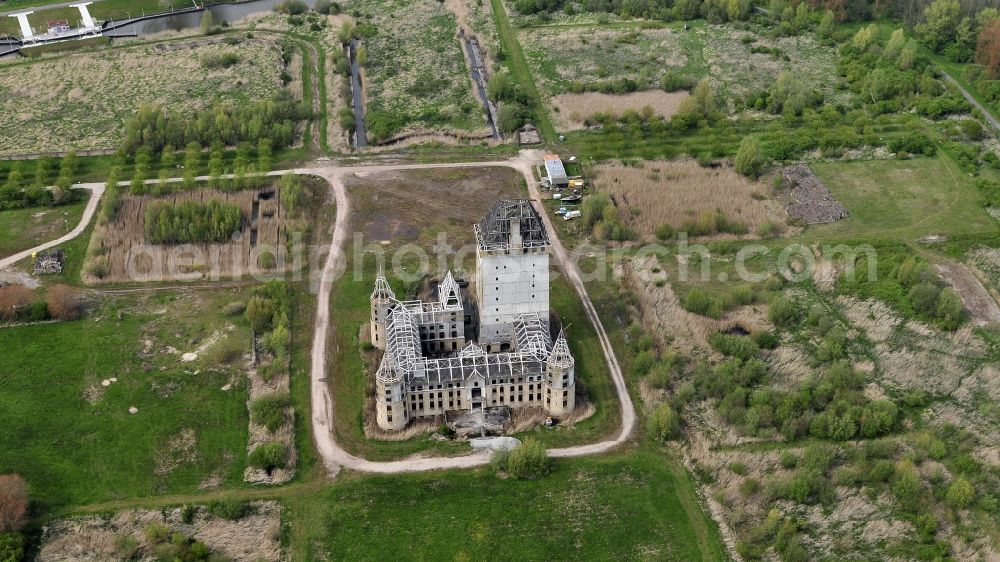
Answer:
(13, 503)
(529, 460)
(14, 299)
(664, 424)
(825, 28)
(292, 194)
(864, 38)
(960, 493)
(895, 45)
(941, 21)
(64, 302)
(988, 49)
(749, 160)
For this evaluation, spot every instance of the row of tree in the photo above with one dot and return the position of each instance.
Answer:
(154, 127)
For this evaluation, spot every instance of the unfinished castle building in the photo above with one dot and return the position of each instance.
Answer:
(429, 367)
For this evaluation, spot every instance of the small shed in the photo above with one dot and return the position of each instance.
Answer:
(555, 171)
(58, 26)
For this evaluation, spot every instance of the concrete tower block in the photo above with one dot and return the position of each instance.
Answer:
(381, 301)
(88, 21)
(560, 379)
(22, 19)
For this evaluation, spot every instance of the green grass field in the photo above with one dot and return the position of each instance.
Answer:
(74, 440)
(902, 200)
(632, 506)
(24, 228)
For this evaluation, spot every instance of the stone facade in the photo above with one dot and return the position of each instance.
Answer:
(429, 368)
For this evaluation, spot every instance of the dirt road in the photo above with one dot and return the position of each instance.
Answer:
(334, 456)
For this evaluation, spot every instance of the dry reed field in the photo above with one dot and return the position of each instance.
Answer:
(651, 194)
(120, 245)
(573, 110)
(83, 101)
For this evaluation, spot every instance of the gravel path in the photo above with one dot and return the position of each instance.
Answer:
(986, 112)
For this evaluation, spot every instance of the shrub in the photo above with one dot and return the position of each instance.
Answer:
(528, 461)
(749, 159)
(260, 313)
(230, 509)
(673, 80)
(14, 300)
(784, 312)
(699, 302)
(788, 460)
(664, 424)
(13, 503)
(960, 493)
(268, 456)
(765, 340)
(743, 294)
(643, 362)
(11, 547)
(269, 410)
(749, 487)
(740, 347)
(500, 461)
(292, 7)
(666, 232)
(327, 7)
(219, 60)
(64, 302)
(156, 533)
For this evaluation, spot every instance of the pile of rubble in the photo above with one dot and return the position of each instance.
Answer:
(47, 263)
(528, 135)
(811, 201)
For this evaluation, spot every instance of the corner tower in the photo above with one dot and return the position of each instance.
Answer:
(560, 378)
(382, 299)
(512, 271)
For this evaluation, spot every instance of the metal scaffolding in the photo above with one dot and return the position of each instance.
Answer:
(494, 231)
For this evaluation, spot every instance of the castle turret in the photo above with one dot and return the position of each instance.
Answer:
(390, 396)
(560, 379)
(382, 299)
(448, 292)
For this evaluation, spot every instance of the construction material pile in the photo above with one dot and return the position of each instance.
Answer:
(811, 201)
(48, 263)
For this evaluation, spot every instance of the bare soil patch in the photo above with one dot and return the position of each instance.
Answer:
(573, 110)
(393, 206)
